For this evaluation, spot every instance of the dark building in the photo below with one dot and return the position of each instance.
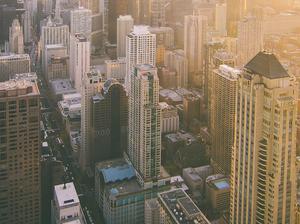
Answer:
(109, 121)
(9, 10)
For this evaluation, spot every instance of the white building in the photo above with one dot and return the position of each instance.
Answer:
(249, 39)
(169, 118)
(221, 18)
(116, 69)
(124, 27)
(16, 39)
(65, 207)
(175, 60)
(140, 49)
(144, 124)
(195, 28)
(79, 59)
(81, 22)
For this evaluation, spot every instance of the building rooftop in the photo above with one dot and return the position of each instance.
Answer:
(140, 30)
(218, 181)
(15, 87)
(14, 57)
(30, 76)
(62, 86)
(66, 194)
(266, 64)
(118, 173)
(181, 207)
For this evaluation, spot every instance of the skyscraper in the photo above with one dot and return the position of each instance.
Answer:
(16, 39)
(91, 84)
(109, 121)
(222, 116)
(80, 54)
(19, 152)
(263, 173)
(144, 127)
(195, 27)
(81, 22)
(220, 18)
(249, 39)
(158, 13)
(124, 27)
(140, 49)
(236, 9)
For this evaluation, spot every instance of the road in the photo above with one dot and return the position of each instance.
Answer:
(59, 144)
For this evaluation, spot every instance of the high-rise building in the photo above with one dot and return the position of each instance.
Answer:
(91, 84)
(144, 124)
(19, 152)
(195, 28)
(80, 54)
(81, 22)
(236, 9)
(140, 49)
(65, 206)
(222, 116)
(158, 13)
(249, 39)
(263, 172)
(16, 39)
(164, 36)
(115, 9)
(220, 18)
(109, 122)
(152, 215)
(13, 64)
(124, 27)
(116, 69)
(30, 21)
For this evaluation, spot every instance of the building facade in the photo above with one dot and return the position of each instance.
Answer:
(20, 152)
(124, 27)
(16, 38)
(81, 22)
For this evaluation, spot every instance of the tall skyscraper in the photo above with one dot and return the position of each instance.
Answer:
(16, 39)
(109, 121)
(144, 124)
(140, 49)
(222, 116)
(220, 18)
(81, 22)
(263, 172)
(195, 28)
(80, 54)
(236, 9)
(19, 152)
(124, 27)
(91, 84)
(158, 13)
(249, 39)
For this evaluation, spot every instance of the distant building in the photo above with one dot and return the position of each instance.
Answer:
(191, 109)
(221, 18)
(124, 27)
(66, 205)
(16, 38)
(164, 36)
(116, 69)
(177, 207)
(81, 22)
(158, 13)
(167, 78)
(218, 193)
(13, 64)
(169, 118)
(20, 152)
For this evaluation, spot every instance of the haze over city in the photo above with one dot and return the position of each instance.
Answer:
(150, 111)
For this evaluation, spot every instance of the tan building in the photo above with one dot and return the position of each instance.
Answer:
(263, 172)
(19, 152)
(169, 118)
(222, 116)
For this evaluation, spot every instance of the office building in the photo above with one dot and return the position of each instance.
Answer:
(91, 84)
(80, 54)
(169, 118)
(140, 49)
(195, 28)
(144, 124)
(191, 109)
(175, 60)
(249, 39)
(81, 22)
(221, 18)
(124, 27)
(109, 121)
(13, 64)
(263, 172)
(164, 36)
(177, 207)
(236, 9)
(152, 215)
(158, 13)
(20, 145)
(116, 69)
(30, 17)
(116, 9)
(218, 193)
(222, 116)
(167, 78)
(118, 193)
(16, 39)
(65, 207)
